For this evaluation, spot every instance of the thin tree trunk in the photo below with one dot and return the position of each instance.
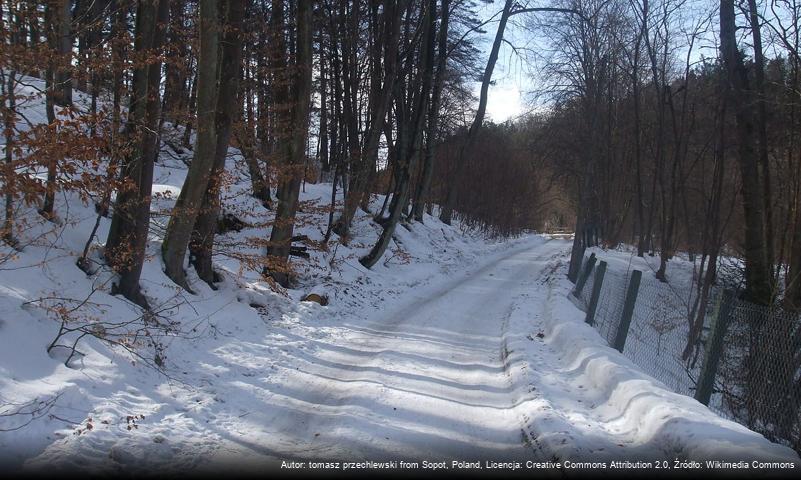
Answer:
(191, 116)
(406, 161)
(792, 281)
(9, 113)
(446, 215)
(118, 50)
(174, 94)
(263, 121)
(433, 115)
(246, 138)
(792, 295)
(63, 19)
(762, 133)
(293, 148)
(52, 22)
(380, 100)
(325, 166)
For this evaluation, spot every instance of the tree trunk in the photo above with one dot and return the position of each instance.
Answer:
(406, 161)
(263, 121)
(433, 115)
(246, 138)
(230, 72)
(356, 163)
(118, 50)
(292, 148)
(446, 215)
(52, 24)
(325, 166)
(187, 207)
(127, 238)
(762, 134)
(757, 269)
(579, 239)
(174, 93)
(63, 19)
(380, 97)
(792, 294)
(8, 81)
(191, 116)
(712, 230)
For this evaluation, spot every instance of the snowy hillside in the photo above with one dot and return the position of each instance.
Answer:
(452, 347)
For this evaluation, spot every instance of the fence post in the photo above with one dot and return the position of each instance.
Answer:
(584, 275)
(714, 347)
(628, 310)
(596, 292)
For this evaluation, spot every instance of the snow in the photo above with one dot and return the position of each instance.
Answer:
(659, 327)
(595, 404)
(452, 347)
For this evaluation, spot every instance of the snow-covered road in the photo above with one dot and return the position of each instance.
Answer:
(428, 379)
(495, 365)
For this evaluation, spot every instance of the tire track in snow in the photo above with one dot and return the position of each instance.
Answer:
(432, 379)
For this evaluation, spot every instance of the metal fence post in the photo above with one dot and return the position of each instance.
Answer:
(714, 347)
(596, 292)
(584, 275)
(628, 310)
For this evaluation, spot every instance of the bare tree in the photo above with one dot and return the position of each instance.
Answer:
(741, 100)
(127, 238)
(187, 207)
(230, 70)
(292, 146)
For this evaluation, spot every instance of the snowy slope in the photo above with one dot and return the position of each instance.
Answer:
(452, 347)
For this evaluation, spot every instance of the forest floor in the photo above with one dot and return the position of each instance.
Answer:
(453, 347)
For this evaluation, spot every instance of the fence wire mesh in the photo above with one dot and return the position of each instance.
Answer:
(586, 291)
(759, 375)
(758, 378)
(610, 304)
(658, 336)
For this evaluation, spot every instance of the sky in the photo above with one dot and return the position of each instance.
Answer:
(506, 99)
(511, 94)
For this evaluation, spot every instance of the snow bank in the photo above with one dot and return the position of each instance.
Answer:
(591, 403)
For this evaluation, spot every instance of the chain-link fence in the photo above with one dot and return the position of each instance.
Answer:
(759, 373)
(610, 304)
(747, 364)
(658, 331)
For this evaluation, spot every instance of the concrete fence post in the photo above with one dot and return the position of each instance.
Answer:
(596, 292)
(628, 310)
(714, 346)
(585, 274)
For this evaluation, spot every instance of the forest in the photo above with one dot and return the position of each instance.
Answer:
(669, 125)
(671, 128)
